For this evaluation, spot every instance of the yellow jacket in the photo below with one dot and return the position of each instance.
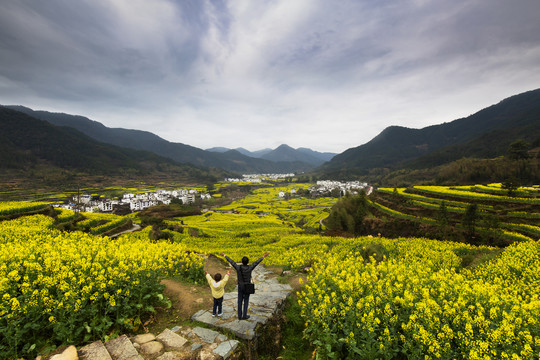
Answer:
(218, 288)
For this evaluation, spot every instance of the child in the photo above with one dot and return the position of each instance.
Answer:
(218, 290)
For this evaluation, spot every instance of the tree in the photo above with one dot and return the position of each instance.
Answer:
(469, 219)
(519, 149)
(348, 214)
(443, 214)
(510, 185)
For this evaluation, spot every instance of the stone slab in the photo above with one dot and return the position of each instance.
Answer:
(228, 315)
(151, 348)
(277, 287)
(171, 340)
(70, 353)
(227, 308)
(94, 351)
(207, 335)
(258, 319)
(226, 348)
(261, 311)
(205, 317)
(122, 349)
(171, 355)
(244, 329)
(143, 338)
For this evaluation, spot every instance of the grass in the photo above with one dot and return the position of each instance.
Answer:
(473, 257)
(295, 347)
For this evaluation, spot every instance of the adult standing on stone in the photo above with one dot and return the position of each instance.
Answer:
(244, 277)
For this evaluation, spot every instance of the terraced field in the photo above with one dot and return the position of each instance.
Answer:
(497, 217)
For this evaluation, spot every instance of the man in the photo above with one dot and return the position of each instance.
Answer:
(244, 277)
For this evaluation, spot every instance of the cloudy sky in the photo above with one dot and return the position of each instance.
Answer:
(328, 75)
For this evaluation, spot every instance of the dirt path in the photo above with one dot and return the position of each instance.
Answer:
(187, 298)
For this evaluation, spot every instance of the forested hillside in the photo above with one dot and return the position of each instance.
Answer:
(143, 140)
(485, 134)
(29, 146)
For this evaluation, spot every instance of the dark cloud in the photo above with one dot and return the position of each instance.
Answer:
(264, 72)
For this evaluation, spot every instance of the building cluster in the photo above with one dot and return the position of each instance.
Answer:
(136, 202)
(257, 178)
(283, 194)
(329, 186)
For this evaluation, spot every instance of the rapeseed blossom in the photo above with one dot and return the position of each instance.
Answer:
(419, 303)
(56, 282)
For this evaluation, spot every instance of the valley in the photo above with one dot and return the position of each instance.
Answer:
(420, 274)
(394, 249)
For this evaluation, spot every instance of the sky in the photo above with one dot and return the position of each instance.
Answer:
(327, 75)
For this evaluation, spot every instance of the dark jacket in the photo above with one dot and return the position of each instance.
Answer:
(243, 271)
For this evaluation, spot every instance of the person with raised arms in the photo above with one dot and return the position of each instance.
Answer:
(245, 287)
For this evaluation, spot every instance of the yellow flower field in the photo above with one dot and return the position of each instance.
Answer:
(62, 287)
(15, 207)
(418, 304)
(365, 298)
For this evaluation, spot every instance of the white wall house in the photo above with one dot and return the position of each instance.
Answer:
(105, 206)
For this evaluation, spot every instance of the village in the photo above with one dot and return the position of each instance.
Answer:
(258, 178)
(141, 201)
(135, 202)
(329, 186)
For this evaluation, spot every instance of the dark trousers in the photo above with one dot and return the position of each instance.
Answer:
(218, 304)
(242, 298)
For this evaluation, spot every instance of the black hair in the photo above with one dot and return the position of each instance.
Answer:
(245, 260)
(217, 277)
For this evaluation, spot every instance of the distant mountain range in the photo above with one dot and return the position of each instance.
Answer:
(27, 143)
(284, 153)
(231, 160)
(485, 134)
(78, 141)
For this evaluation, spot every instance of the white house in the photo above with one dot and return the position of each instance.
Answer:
(105, 205)
(82, 199)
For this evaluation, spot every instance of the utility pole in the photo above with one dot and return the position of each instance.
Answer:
(77, 208)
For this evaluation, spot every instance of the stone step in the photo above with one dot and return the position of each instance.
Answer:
(204, 344)
(268, 298)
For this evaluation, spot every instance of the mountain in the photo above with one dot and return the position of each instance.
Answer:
(144, 140)
(218, 149)
(267, 166)
(324, 156)
(284, 153)
(485, 134)
(241, 150)
(260, 153)
(28, 143)
(287, 153)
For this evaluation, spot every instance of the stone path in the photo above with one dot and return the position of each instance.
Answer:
(268, 298)
(202, 343)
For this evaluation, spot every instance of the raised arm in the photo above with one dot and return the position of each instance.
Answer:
(209, 278)
(254, 265)
(233, 263)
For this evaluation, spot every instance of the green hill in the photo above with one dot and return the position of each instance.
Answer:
(485, 134)
(27, 144)
(143, 140)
